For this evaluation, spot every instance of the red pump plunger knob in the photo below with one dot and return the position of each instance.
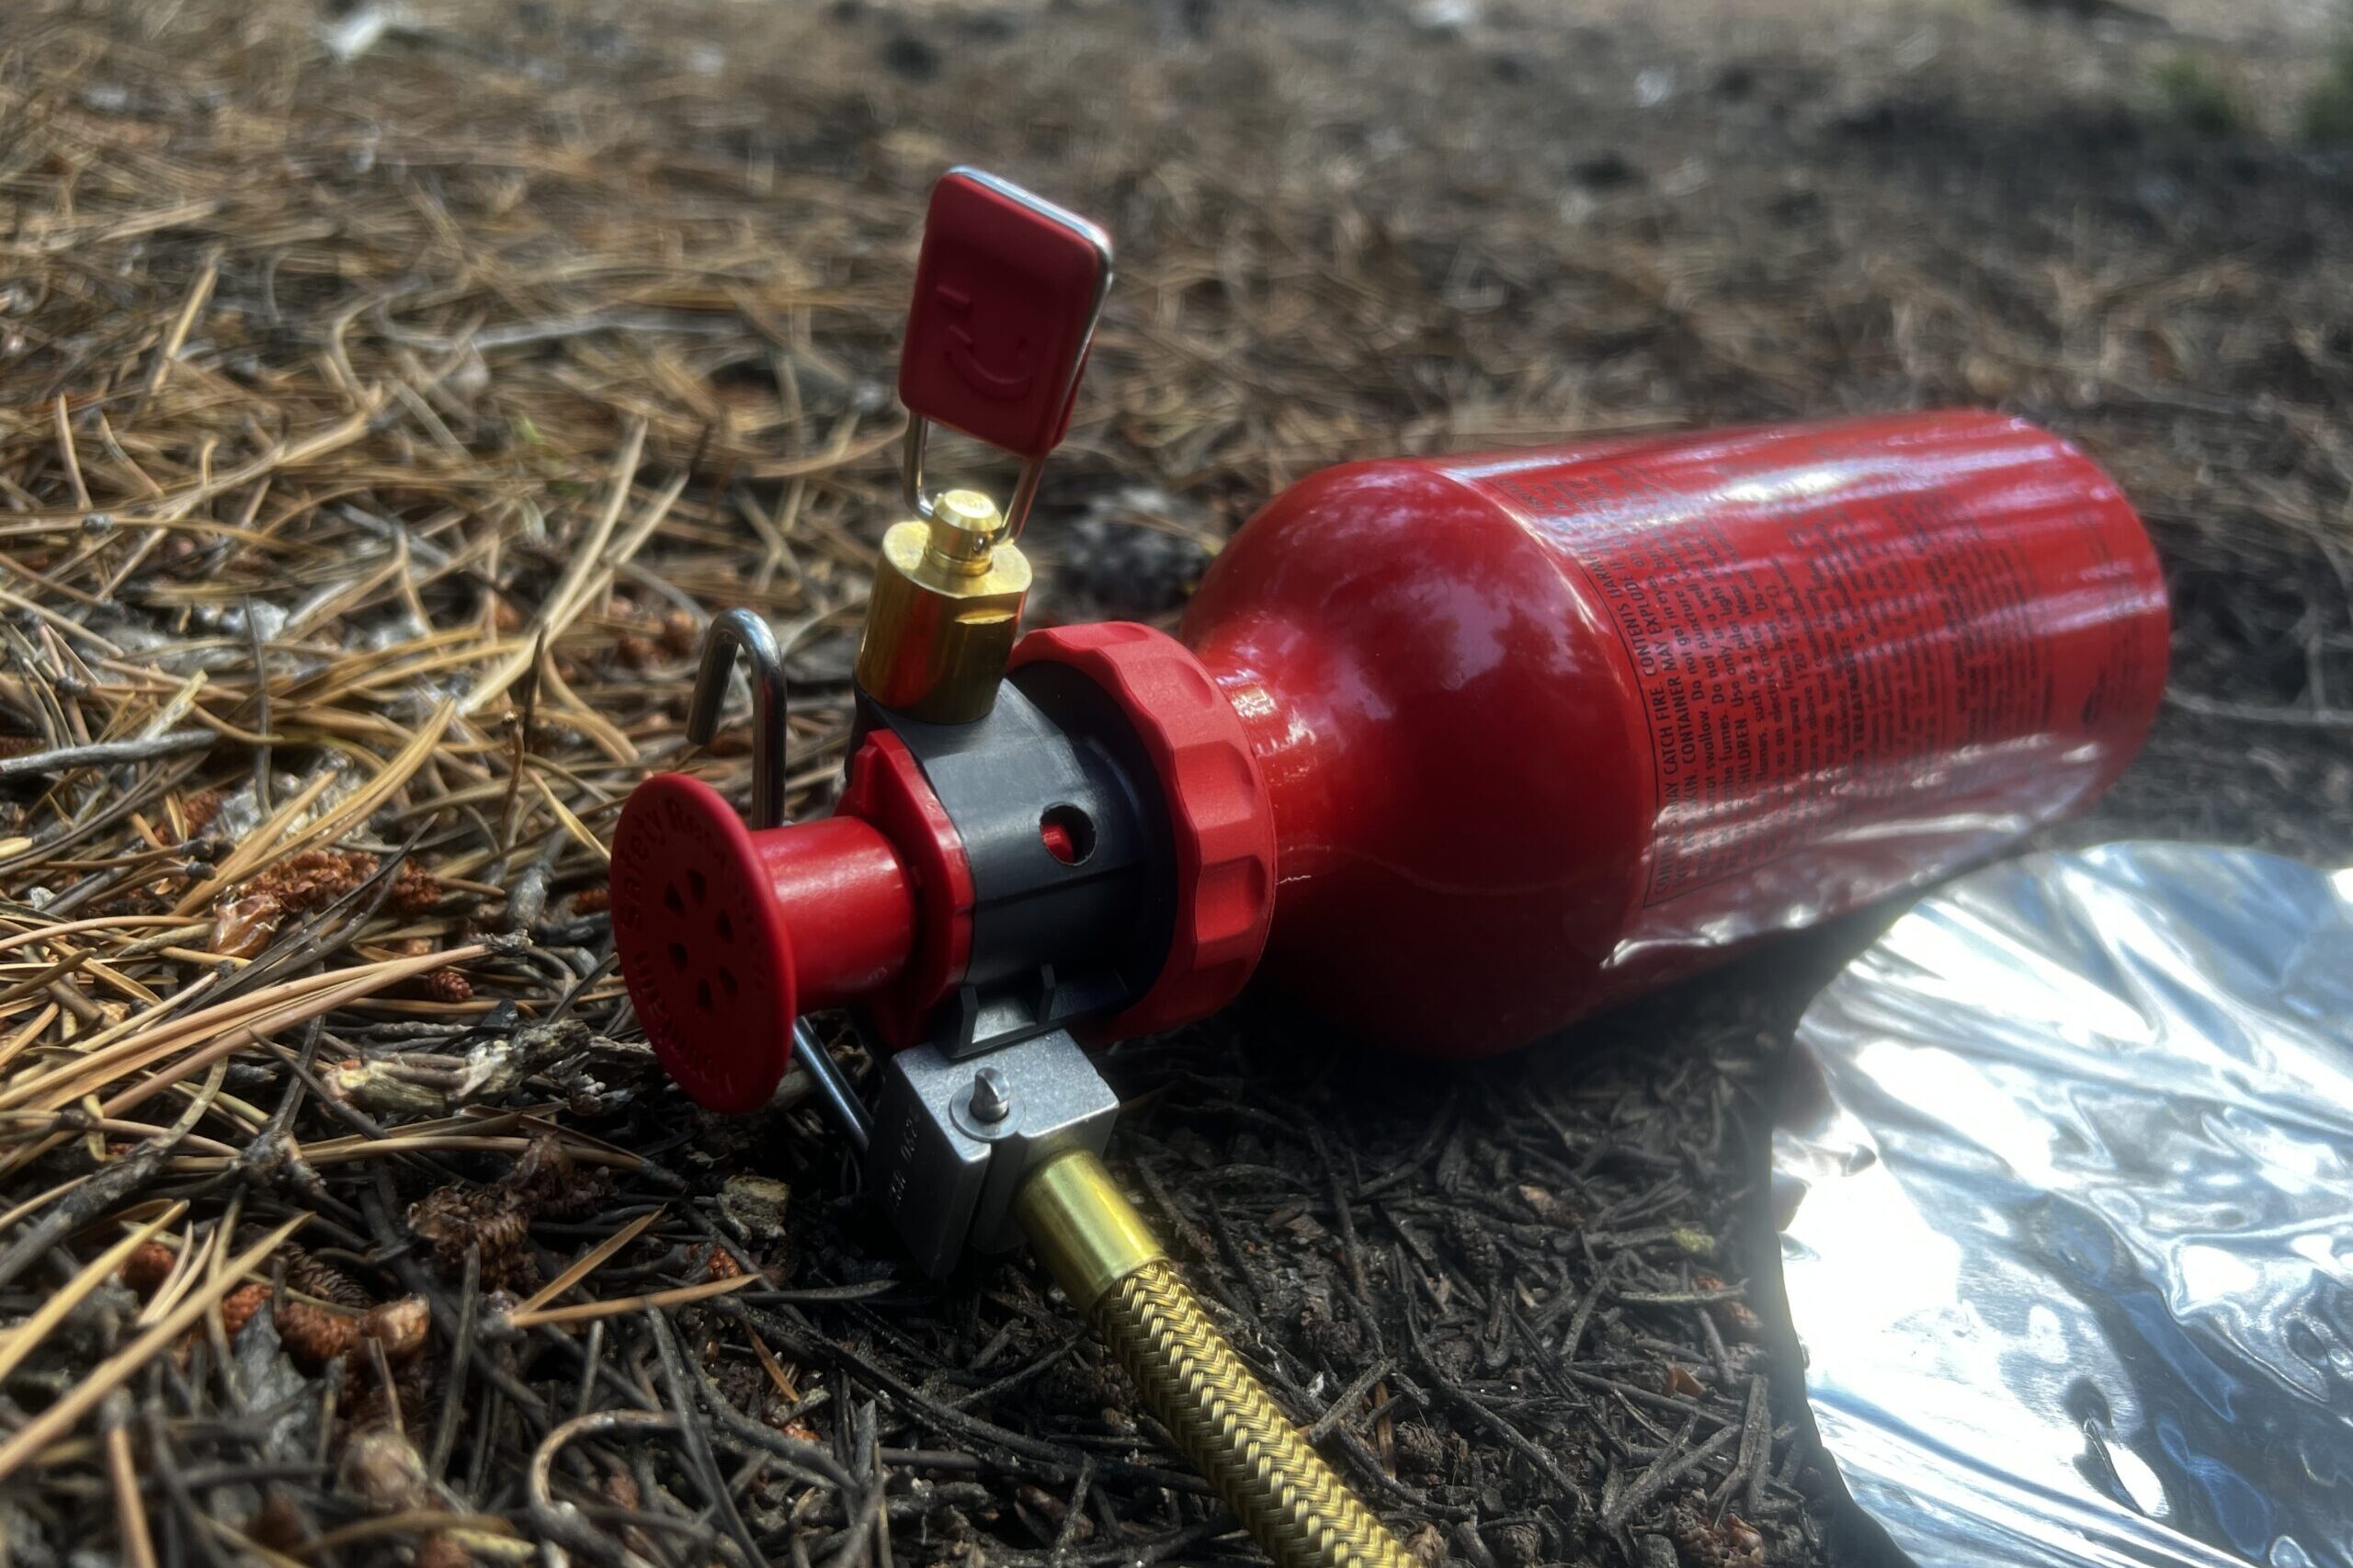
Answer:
(726, 935)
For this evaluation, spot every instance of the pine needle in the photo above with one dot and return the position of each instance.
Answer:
(111, 1374)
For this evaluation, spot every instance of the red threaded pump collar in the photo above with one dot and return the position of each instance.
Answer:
(1222, 824)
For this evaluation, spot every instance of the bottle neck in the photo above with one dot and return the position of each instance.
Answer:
(1294, 729)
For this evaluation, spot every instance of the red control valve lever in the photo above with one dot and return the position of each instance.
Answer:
(1007, 290)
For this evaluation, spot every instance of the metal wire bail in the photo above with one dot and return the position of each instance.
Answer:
(919, 501)
(730, 631)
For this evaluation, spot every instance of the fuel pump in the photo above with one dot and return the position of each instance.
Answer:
(1456, 749)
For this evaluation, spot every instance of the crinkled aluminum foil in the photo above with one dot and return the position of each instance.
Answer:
(2072, 1248)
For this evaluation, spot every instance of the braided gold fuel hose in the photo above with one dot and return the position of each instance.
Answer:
(1107, 1263)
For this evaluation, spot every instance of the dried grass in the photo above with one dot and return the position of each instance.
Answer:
(377, 435)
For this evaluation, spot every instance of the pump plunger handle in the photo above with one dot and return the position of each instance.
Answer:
(741, 629)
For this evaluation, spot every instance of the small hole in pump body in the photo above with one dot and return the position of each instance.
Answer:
(1068, 834)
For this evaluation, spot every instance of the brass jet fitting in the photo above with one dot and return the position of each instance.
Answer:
(944, 612)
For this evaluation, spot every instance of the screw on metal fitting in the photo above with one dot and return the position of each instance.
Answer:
(965, 527)
(992, 1100)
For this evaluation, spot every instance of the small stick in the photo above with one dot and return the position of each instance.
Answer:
(199, 293)
(571, 594)
(590, 1261)
(138, 1548)
(1664, 1469)
(101, 754)
(445, 1430)
(677, 1297)
(2259, 713)
(73, 459)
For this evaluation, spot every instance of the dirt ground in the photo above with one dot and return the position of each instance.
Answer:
(345, 364)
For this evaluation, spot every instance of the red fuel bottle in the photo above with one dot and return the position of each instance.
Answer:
(1544, 730)
(1458, 750)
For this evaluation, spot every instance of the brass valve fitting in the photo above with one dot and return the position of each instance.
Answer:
(944, 612)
